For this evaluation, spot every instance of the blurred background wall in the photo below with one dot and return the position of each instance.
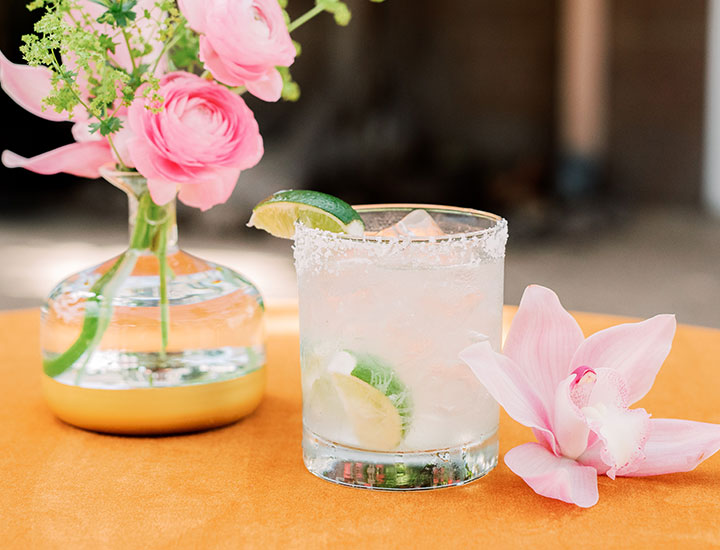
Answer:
(470, 103)
(453, 103)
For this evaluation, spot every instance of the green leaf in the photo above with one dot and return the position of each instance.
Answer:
(184, 54)
(107, 43)
(107, 126)
(110, 126)
(136, 77)
(120, 12)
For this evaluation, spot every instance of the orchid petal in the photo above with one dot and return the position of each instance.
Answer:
(677, 446)
(121, 139)
(81, 133)
(547, 439)
(79, 159)
(593, 455)
(205, 195)
(553, 476)
(161, 191)
(543, 338)
(635, 350)
(268, 87)
(28, 86)
(509, 387)
(569, 424)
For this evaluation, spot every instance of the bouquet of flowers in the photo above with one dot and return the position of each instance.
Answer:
(155, 86)
(155, 91)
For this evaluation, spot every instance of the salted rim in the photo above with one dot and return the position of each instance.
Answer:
(499, 223)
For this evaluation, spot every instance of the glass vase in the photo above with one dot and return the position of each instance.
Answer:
(155, 340)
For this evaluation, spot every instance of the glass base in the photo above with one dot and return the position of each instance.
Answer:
(157, 410)
(403, 471)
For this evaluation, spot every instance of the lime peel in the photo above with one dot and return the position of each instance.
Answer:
(279, 213)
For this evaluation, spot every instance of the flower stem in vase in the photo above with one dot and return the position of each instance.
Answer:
(150, 233)
(164, 306)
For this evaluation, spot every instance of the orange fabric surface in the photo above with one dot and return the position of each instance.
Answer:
(245, 486)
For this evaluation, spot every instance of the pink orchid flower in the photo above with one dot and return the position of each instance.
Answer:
(28, 86)
(575, 392)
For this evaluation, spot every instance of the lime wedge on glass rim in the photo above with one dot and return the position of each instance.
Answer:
(278, 213)
(375, 399)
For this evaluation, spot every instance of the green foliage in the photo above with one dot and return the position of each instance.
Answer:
(342, 15)
(36, 4)
(107, 43)
(290, 88)
(108, 126)
(184, 49)
(119, 12)
(337, 8)
(80, 51)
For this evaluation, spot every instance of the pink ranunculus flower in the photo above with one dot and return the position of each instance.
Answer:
(242, 42)
(199, 143)
(575, 393)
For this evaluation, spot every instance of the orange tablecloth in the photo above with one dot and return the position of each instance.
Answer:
(245, 486)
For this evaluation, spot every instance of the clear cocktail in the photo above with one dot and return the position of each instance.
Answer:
(387, 403)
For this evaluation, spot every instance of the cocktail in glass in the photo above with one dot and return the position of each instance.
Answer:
(387, 403)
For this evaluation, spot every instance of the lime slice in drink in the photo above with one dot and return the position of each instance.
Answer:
(278, 213)
(375, 399)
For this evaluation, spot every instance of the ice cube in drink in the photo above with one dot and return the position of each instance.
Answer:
(418, 223)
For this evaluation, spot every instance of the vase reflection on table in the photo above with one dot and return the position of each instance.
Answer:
(155, 340)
